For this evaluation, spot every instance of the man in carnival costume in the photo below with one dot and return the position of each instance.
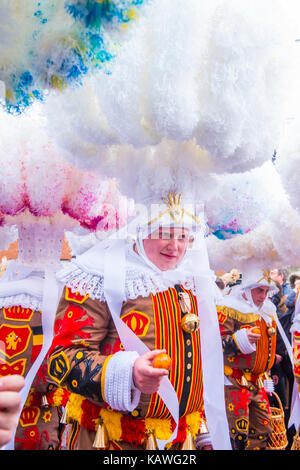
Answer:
(124, 302)
(248, 321)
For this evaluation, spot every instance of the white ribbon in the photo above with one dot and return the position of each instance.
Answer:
(49, 306)
(114, 289)
(295, 405)
(295, 408)
(211, 352)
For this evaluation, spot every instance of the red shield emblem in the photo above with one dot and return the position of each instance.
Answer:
(14, 339)
(222, 317)
(138, 322)
(17, 367)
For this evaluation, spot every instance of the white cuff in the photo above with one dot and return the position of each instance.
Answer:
(202, 440)
(119, 393)
(241, 339)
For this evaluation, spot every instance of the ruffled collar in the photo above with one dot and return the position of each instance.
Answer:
(85, 275)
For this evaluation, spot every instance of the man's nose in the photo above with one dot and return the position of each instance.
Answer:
(173, 244)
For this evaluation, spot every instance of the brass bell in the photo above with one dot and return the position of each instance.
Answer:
(101, 437)
(203, 427)
(271, 331)
(188, 443)
(64, 417)
(190, 323)
(151, 443)
(45, 403)
(244, 381)
(260, 382)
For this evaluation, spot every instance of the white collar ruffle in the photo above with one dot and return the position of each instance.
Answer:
(85, 275)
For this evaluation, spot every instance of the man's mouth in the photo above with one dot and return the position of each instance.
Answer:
(170, 257)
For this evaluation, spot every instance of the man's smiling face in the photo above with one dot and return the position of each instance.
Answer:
(166, 247)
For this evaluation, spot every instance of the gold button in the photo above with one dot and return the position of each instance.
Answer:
(188, 342)
(189, 354)
(189, 366)
(188, 378)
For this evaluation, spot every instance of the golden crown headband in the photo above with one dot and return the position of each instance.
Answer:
(175, 210)
(266, 276)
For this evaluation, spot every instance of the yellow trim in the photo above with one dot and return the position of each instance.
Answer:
(103, 376)
(144, 315)
(74, 407)
(173, 203)
(193, 420)
(239, 316)
(233, 337)
(10, 352)
(21, 362)
(61, 353)
(228, 370)
(58, 396)
(112, 421)
(37, 340)
(9, 315)
(75, 300)
(31, 423)
(161, 427)
(266, 277)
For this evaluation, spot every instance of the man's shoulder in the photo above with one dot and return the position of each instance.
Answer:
(235, 313)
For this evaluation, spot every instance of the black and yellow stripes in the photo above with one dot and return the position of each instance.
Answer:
(184, 349)
(73, 435)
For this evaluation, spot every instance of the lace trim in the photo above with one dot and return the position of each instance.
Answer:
(137, 283)
(22, 300)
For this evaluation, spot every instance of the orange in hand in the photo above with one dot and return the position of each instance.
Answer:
(255, 330)
(162, 361)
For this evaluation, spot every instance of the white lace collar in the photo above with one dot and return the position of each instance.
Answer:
(85, 275)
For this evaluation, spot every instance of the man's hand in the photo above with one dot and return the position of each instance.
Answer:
(145, 377)
(252, 337)
(10, 401)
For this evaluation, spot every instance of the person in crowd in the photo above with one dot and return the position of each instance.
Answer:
(282, 370)
(280, 277)
(248, 330)
(116, 399)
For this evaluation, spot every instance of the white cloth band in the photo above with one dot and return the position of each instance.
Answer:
(119, 393)
(114, 282)
(241, 339)
(211, 351)
(49, 306)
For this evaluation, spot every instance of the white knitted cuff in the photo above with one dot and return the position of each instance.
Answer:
(241, 339)
(119, 393)
(202, 440)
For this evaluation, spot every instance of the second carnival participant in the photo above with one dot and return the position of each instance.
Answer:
(124, 302)
(248, 326)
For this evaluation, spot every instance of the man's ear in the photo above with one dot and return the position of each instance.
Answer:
(191, 241)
